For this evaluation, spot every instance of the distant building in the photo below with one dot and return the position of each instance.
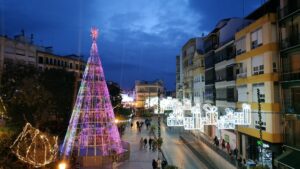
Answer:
(190, 71)
(145, 90)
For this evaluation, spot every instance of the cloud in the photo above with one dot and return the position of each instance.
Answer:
(139, 39)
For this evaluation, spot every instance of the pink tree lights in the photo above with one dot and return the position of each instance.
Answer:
(92, 131)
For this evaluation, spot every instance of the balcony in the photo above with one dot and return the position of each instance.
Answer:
(289, 9)
(290, 76)
(290, 41)
(242, 75)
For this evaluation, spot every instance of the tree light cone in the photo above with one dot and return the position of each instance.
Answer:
(92, 130)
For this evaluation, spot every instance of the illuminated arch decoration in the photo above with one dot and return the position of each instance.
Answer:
(35, 147)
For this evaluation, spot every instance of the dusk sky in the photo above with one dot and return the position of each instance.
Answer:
(139, 39)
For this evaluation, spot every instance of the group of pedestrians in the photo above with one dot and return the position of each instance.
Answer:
(224, 144)
(139, 125)
(159, 164)
(150, 143)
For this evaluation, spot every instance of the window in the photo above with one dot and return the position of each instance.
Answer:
(240, 46)
(257, 65)
(40, 60)
(261, 88)
(256, 38)
(221, 94)
(274, 67)
(71, 66)
(242, 93)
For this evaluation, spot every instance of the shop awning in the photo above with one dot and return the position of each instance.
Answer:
(290, 159)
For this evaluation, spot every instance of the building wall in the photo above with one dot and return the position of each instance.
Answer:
(144, 90)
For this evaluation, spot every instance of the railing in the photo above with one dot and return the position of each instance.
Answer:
(218, 150)
(242, 75)
(290, 76)
(290, 41)
(288, 9)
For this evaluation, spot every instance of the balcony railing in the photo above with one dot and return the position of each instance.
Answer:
(288, 9)
(242, 75)
(290, 41)
(290, 76)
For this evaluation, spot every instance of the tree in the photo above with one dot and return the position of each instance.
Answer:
(115, 94)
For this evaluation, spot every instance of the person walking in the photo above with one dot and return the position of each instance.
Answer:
(150, 143)
(137, 124)
(145, 143)
(228, 148)
(131, 124)
(154, 164)
(223, 144)
(159, 163)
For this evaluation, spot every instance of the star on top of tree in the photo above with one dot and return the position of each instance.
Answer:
(94, 33)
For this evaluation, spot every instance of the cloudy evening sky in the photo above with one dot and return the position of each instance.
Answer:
(139, 39)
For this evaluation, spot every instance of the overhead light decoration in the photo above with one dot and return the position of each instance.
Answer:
(201, 115)
(176, 118)
(211, 114)
(35, 147)
(195, 122)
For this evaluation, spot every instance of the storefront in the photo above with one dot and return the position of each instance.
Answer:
(250, 149)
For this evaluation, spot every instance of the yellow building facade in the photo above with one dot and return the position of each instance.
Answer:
(257, 60)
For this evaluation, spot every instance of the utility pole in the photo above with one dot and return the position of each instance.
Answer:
(260, 143)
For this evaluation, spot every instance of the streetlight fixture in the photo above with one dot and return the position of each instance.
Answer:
(62, 165)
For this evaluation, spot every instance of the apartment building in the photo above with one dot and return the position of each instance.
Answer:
(289, 35)
(198, 73)
(220, 71)
(145, 90)
(225, 70)
(179, 87)
(188, 50)
(257, 59)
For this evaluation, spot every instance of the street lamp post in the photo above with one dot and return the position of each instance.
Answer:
(260, 126)
(158, 119)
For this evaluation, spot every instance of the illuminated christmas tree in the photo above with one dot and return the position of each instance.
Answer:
(92, 130)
